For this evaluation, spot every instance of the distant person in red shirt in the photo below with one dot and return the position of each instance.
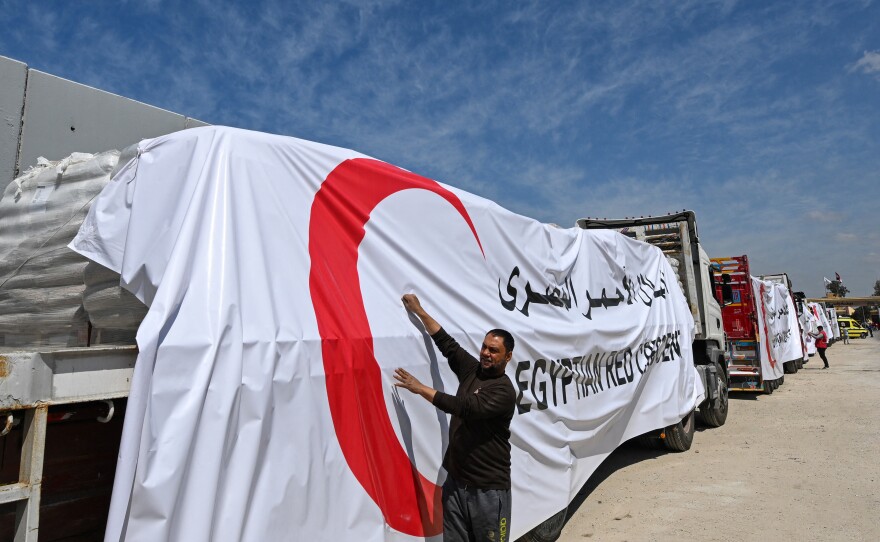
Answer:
(821, 344)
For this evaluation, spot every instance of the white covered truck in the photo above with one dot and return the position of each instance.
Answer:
(794, 365)
(272, 268)
(677, 237)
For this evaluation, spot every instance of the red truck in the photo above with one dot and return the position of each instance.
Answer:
(734, 286)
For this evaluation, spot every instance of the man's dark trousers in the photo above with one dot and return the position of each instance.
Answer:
(822, 355)
(475, 515)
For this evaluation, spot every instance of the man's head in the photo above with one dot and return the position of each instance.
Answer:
(496, 351)
(821, 328)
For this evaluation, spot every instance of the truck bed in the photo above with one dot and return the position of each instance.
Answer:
(62, 411)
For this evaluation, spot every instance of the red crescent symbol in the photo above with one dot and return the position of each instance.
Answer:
(409, 502)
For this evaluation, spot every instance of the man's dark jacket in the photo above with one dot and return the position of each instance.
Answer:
(482, 408)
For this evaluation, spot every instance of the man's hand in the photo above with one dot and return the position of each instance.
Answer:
(411, 383)
(412, 304)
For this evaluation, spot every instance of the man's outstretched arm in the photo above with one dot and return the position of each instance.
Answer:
(411, 383)
(458, 359)
(412, 304)
(404, 379)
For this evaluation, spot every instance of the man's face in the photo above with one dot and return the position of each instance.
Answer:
(493, 355)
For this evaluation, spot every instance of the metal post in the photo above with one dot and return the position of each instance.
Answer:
(30, 473)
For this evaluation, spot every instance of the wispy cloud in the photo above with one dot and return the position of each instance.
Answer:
(557, 111)
(869, 64)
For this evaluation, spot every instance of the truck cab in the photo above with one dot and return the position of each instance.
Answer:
(733, 279)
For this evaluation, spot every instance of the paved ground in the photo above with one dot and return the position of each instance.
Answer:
(801, 464)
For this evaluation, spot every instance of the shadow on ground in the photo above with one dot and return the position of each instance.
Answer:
(744, 395)
(627, 454)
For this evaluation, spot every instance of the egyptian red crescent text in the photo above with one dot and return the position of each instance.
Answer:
(409, 502)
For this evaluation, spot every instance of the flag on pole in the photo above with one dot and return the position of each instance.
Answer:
(837, 276)
(827, 282)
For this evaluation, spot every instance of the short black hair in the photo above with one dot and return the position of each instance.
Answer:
(505, 336)
(820, 327)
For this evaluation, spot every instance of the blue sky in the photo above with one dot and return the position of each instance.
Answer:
(764, 117)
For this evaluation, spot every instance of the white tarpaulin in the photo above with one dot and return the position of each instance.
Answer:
(779, 333)
(809, 324)
(822, 319)
(262, 405)
(834, 331)
(778, 330)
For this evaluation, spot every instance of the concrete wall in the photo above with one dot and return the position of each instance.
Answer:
(61, 117)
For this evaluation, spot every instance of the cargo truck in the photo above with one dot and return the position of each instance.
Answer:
(676, 235)
(55, 395)
(62, 403)
(795, 365)
(734, 285)
(62, 395)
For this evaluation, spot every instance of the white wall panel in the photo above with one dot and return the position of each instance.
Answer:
(62, 117)
(13, 76)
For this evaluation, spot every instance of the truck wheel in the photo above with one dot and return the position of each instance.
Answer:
(768, 387)
(716, 416)
(680, 436)
(549, 530)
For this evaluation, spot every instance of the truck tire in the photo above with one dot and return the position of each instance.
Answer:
(680, 436)
(716, 416)
(549, 530)
(768, 387)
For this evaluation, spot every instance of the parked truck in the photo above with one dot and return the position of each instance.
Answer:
(733, 282)
(676, 235)
(795, 365)
(62, 398)
(51, 391)
(63, 394)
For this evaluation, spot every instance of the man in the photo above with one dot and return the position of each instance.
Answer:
(821, 344)
(845, 333)
(476, 494)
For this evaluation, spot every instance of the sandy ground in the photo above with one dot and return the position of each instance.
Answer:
(801, 464)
